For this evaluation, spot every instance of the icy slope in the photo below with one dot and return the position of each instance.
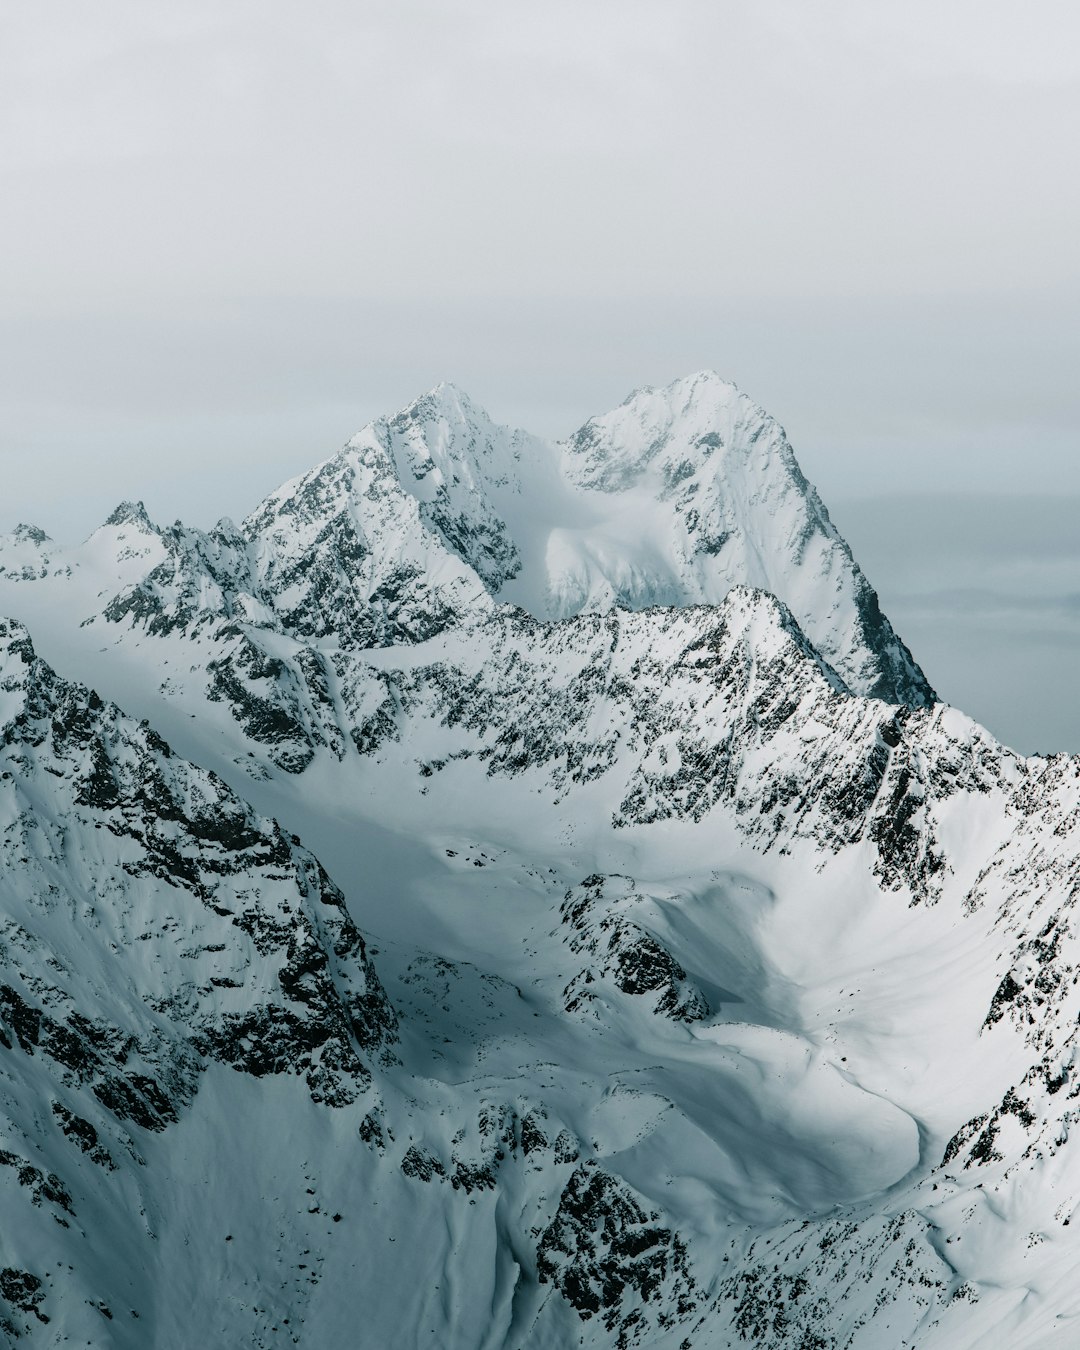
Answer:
(760, 856)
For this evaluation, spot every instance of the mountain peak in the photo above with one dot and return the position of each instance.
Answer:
(444, 400)
(698, 387)
(672, 498)
(428, 516)
(692, 417)
(698, 490)
(131, 513)
(15, 637)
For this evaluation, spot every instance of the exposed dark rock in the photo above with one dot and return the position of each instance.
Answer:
(634, 961)
(83, 1135)
(23, 1291)
(609, 1256)
(421, 1165)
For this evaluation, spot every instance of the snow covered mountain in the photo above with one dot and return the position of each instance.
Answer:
(155, 929)
(427, 519)
(720, 1002)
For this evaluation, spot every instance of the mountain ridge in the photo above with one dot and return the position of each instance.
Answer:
(721, 1003)
(434, 515)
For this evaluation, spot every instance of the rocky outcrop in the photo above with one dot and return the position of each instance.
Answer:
(616, 948)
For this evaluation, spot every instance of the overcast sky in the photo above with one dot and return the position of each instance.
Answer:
(234, 231)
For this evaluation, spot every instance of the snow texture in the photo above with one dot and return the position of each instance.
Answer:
(661, 966)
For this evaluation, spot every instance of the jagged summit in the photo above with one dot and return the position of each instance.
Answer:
(700, 491)
(445, 399)
(26, 554)
(672, 498)
(133, 513)
(430, 517)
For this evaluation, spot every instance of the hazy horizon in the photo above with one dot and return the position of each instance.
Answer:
(237, 232)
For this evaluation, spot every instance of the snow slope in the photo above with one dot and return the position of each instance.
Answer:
(724, 1006)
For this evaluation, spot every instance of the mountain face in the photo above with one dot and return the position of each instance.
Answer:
(726, 989)
(426, 520)
(155, 929)
(719, 474)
